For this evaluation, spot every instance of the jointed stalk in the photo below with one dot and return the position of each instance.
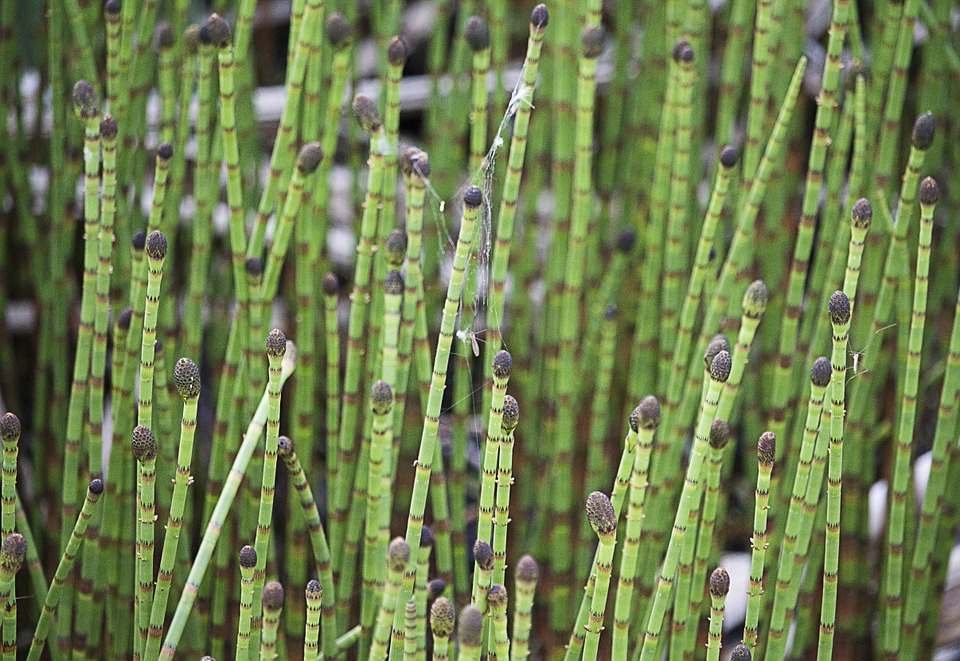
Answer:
(766, 452)
(472, 199)
(689, 499)
(644, 422)
(187, 379)
(272, 599)
(603, 520)
(900, 483)
(840, 309)
(318, 540)
(248, 563)
(719, 587)
(63, 570)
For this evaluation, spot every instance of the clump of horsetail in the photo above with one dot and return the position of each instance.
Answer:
(719, 587)
(442, 617)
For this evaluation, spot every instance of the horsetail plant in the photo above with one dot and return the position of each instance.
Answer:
(276, 348)
(787, 585)
(603, 520)
(497, 603)
(719, 437)
(720, 369)
(187, 380)
(94, 490)
(272, 599)
(145, 452)
(318, 541)
(900, 482)
(10, 429)
(839, 309)
(381, 406)
(525, 578)
(398, 557)
(248, 563)
(933, 497)
(643, 422)
(311, 636)
(369, 118)
(511, 418)
(719, 588)
(766, 453)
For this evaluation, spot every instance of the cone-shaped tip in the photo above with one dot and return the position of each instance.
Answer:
(767, 447)
(396, 248)
(473, 197)
(309, 158)
(719, 433)
(471, 626)
(929, 192)
(540, 16)
(820, 372)
(367, 113)
(924, 130)
(338, 31)
(381, 398)
(719, 583)
(10, 428)
(600, 513)
(591, 41)
(273, 594)
(502, 364)
(186, 376)
(839, 308)
(276, 343)
(156, 245)
(144, 444)
(511, 413)
(397, 51)
(755, 299)
(477, 34)
(85, 101)
(442, 617)
(720, 367)
(729, 157)
(862, 213)
(248, 557)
